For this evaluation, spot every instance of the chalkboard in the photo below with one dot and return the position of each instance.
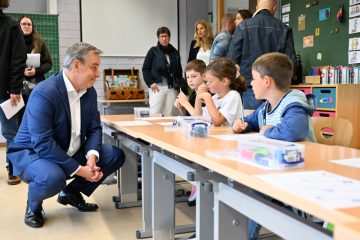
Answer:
(331, 44)
(48, 27)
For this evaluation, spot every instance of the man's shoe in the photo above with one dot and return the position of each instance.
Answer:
(76, 200)
(13, 180)
(32, 219)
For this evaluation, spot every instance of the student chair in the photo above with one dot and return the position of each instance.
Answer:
(333, 131)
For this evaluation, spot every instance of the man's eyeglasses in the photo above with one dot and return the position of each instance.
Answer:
(164, 36)
(26, 24)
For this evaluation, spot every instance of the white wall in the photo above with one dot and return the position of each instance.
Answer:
(235, 4)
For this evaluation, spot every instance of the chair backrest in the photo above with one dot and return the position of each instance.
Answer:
(332, 131)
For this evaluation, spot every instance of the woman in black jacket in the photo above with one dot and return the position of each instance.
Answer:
(34, 44)
(163, 74)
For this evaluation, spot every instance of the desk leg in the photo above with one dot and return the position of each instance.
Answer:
(163, 209)
(146, 163)
(204, 213)
(127, 176)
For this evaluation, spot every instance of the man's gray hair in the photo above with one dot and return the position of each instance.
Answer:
(80, 52)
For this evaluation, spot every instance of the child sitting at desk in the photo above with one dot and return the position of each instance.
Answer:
(225, 82)
(286, 114)
(195, 77)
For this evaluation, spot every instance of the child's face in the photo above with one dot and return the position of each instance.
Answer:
(214, 84)
(258, 85)
(194, 79)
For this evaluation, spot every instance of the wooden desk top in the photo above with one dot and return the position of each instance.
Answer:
(123, 101)
(317, 157)
(350, 231)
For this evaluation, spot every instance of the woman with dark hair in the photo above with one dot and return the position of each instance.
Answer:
(241, 15)
(34, 44)
(162, 73)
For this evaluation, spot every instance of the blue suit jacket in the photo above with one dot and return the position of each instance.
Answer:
(46, 127)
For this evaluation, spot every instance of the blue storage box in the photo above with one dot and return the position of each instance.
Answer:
(325, 97)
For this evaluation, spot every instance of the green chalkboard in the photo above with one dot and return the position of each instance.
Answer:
(48, 27)
(331, 44)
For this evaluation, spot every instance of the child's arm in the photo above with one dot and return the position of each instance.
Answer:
(216, 117)
(294, 126)
(184, 102)
(179, 107)
(198, 106)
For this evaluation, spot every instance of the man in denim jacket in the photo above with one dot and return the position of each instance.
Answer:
(256, 36)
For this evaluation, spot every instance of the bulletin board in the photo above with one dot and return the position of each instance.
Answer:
(48, 28)
(332, 45)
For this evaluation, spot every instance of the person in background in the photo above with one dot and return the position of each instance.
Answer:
(60, 138)
(195, 76)
(286, 114)
(263, 33)
(225, 82)
(241, 15)
(34, 44)
(221, 44)
(12, 64)
(162, 73)
(201, 45)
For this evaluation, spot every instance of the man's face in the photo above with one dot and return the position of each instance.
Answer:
(87, 72)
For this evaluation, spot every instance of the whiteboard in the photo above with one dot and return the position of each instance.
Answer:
(127, 27)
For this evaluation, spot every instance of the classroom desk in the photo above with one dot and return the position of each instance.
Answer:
(317, 157)
(121, 106)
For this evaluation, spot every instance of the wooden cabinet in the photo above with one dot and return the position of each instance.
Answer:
(337, 100)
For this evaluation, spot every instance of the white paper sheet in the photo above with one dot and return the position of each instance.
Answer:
(132, 123)
(10, 110)
(165, 123)
(350, 162)
(33, 60)
(155, 118)
(235, 137)
(327, 189)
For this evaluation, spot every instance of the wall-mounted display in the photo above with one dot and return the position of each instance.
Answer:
(324, 14)
(354, 11)
(353, 25)
(353, 2)
(354, 57)
(308, 41)
(354, 44)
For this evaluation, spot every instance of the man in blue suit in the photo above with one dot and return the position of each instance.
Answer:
(60, 137)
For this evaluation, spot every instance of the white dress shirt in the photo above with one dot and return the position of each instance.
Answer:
(75, 112)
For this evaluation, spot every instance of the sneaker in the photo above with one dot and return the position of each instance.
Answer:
(13, 180)
(192, 196)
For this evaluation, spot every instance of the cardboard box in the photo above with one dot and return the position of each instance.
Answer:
(312, 79)
(124, 93)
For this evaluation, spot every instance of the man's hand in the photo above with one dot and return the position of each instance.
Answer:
(14, 99)
(91, 163)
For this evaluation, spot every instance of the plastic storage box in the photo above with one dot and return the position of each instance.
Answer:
(273, 154)
(141, 112)
(193, 126)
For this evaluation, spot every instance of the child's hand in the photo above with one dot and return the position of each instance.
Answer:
(203, 95)
(177, 104)
(263, 128)
(182, 98)
(202, 88)
(239, 126)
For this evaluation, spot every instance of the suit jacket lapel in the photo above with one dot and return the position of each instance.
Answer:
(64, 97)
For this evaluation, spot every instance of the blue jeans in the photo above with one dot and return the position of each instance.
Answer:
(9, 128)
(249, 100)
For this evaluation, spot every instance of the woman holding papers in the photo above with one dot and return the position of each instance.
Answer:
(35, 72)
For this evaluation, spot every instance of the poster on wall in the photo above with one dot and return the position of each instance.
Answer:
(354, 25)
(354, 57)
(324, 14)
(354, 44)
(354, 11)
(301, 23)
(353, 2)
(285, 8)
(308, 41)
(285, 18)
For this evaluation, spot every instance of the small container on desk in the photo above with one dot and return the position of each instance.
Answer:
(140, 112)
(194, 126)
(272, 154)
